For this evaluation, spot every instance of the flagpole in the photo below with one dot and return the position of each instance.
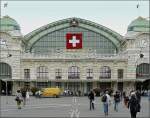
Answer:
(5, 8)
(138, 7)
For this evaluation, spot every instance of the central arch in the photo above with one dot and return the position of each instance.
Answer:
(37, 34)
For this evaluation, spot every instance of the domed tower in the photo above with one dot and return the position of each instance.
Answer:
(137, 48)
(139, 25)
(9, 24)
(11, 48)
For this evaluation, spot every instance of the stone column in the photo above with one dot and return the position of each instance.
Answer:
(94, 85)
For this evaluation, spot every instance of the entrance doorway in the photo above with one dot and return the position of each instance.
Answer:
(105, 86)
(5, 77)
(6, 87)
(120, 86)
(74, 87)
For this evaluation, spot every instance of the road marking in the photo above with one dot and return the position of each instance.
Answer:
(38, 107)
(74, 108)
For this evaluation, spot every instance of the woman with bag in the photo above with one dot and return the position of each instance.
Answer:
(18, 99)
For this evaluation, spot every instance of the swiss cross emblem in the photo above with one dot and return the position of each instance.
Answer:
(74, 41)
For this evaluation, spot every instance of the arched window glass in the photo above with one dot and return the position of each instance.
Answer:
(105, 72)
(42, 72)
(73, 72)
(57, 40)
(5, 71)
(142, 71)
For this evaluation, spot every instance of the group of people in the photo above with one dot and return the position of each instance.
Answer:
(21, 97)
(132, 102)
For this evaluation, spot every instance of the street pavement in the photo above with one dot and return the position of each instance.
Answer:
(67, 107)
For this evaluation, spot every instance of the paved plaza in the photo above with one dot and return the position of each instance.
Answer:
(65, 107)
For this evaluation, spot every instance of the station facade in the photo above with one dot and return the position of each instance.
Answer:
(75, 54)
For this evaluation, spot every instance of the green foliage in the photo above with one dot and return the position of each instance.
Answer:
(34, 90)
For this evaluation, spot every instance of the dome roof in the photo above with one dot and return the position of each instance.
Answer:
(139, 25)
(8, 24)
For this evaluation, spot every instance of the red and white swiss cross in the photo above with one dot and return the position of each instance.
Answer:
(74, 41)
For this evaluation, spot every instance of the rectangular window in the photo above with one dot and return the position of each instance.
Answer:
(58, 73)
(27, 73)
(120, 73)
(42, 72)
(89, 73)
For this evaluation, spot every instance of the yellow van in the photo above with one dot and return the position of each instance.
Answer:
(51, 92)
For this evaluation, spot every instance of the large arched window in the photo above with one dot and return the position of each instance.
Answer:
(142, 71)
(73, 72)
(53, 41)
(105, 72)
(42, 72)
(5, 71)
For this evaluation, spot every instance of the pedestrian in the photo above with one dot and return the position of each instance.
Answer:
(116, 101)
(138, 96)
(149, 94)
(27, 95)
(91, 98)
(106, 102)
(124, 94)
(18, 99)
(133, 105)
(126, 100)
(3, 92)
(23, 92)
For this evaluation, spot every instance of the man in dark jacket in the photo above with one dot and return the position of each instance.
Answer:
(23, 92)
(91, 98)
(116, 100)
(133, 105)
(138, 96)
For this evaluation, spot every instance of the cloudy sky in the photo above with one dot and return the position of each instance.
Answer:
(116, 15)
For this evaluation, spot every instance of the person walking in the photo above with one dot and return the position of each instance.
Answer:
(133, 105)
(138, 96)
(18, 99)
(27, 95)
(116, 101)
(23, 92)
(91, 98)
(126, 100)
(149, 94)
(106, 102)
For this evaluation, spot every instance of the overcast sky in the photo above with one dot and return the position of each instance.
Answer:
(116, 15)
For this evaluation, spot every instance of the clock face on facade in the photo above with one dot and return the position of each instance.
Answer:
(143, 43)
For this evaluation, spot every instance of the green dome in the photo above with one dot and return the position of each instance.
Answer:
(139, 25)
(8, 24)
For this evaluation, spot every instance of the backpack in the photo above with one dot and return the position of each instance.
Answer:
(117, 98)
(104, 98)
(17, 98)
